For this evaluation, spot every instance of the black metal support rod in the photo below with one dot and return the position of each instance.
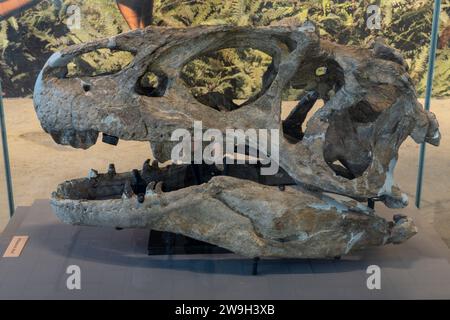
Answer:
(255, 266)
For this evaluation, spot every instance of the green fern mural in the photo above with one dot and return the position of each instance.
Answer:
(27, 40)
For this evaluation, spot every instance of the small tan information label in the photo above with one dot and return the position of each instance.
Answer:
(15, 247)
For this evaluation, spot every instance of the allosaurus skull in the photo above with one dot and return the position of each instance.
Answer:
(349, 148)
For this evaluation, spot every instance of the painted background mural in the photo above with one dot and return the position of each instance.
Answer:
(31, 32)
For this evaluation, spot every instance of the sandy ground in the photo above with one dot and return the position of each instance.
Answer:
(39, 165)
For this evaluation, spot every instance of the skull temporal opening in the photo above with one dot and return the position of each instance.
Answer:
(348, 147)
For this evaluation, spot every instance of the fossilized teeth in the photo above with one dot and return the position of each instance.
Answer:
(146, 166)
(159, 186)
(136, 176)
(112, 140)
(112, 169)
(127, 191)
(150, 190)
(77, 139)
(92, 174)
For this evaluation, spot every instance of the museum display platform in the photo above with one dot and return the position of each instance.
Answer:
(115, 265)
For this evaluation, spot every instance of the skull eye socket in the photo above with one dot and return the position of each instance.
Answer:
(152, 84)
(229, 78)
(99, 62)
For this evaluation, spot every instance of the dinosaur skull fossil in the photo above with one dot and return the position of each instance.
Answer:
(349, 147)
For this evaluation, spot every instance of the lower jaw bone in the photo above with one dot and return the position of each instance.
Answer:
(247, 218)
